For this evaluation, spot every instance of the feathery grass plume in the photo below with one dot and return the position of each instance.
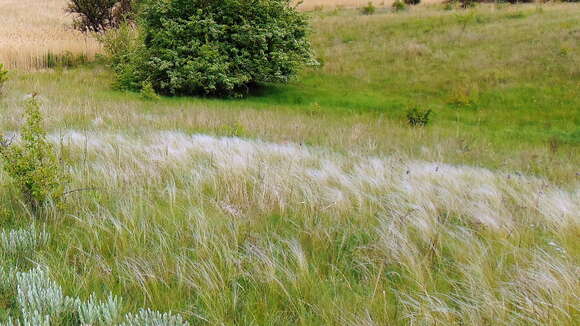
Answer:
(547, 292)
(32, 163)
(438, 239)
(281, 177)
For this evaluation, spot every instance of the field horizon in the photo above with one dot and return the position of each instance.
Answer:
(315, 202)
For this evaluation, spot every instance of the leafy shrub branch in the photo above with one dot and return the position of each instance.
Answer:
(32, 163)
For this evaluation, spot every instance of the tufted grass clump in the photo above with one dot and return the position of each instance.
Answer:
(369, 9)
(32, 162)
(418, 118)
(148, 92)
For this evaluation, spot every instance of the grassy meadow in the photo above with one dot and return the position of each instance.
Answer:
(315, 203)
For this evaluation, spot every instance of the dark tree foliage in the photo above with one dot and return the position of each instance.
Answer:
(99, 15)
(215, 47)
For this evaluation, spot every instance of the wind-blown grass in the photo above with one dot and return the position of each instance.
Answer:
(502, 91)
(226, 230)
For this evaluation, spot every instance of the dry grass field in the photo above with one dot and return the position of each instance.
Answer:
(34, 33)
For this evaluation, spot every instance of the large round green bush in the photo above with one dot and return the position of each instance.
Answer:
(215, 47)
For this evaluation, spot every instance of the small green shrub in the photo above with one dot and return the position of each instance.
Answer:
(215, 47)
(399, 5)
(122, 47)
(3, 78)
(464, 95)
(119, 41)
(147, 92)
(418, 118)
(369, 9)
(32, 163)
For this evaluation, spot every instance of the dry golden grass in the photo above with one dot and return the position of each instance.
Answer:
(33, 30)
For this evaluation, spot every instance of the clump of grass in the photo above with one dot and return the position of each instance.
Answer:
(463, 95)
(369, 9)
(66, 59)
(235, 129)
(417, 117)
